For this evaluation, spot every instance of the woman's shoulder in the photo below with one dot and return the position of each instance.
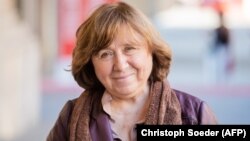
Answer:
(186, 98)
(66, 111)
(68, 107)
(60, 129)
(194, 110)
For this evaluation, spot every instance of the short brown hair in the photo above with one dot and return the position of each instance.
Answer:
(99, 30)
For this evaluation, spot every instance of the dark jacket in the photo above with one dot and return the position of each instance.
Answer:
(193, 110)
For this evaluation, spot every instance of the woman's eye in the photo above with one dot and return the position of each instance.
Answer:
(105, 54)
(130, 49)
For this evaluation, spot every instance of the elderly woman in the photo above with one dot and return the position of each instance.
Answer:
(122, 63)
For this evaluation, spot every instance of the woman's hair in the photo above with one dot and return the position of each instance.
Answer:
(99, 30)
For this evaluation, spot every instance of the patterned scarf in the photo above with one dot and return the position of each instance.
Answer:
(164, 108)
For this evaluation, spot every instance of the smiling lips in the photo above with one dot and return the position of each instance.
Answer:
(123, 77)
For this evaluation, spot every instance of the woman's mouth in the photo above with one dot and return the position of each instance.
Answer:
(122, 77)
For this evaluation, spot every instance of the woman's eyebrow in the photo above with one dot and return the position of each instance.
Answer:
(129, 43)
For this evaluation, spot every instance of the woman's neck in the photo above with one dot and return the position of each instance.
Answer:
(131, 105)
(128, 112)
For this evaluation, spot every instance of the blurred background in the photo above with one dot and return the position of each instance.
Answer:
(37, 38)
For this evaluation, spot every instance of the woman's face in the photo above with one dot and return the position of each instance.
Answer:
(124, 67)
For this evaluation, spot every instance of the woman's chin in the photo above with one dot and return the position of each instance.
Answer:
(125, 92)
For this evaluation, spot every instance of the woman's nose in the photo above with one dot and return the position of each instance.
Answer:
(120, 62)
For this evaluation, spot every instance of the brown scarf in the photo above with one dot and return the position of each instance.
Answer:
(164, 108)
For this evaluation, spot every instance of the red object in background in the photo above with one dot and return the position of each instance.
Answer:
(71, 13)
(220, 6)
(217, 5)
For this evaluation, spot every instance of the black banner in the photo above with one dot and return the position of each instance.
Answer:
(181, 132)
